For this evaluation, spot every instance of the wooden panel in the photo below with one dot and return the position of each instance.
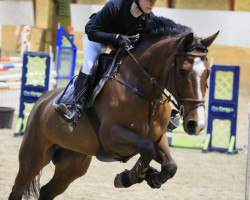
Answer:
(9, 38)
(242, 5)
(201, 4)
(226, 55)
(92, 2)
(43, 13)
(37, 39)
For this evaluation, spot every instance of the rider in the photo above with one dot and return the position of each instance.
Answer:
(117, 24)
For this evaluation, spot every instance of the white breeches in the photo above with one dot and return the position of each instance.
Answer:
(91, 52)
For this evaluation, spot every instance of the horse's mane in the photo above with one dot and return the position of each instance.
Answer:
(158, 27)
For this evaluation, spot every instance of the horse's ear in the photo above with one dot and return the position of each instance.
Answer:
(209, 40)
(186, 42)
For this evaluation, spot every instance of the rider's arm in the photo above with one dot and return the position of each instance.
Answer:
(102, 21)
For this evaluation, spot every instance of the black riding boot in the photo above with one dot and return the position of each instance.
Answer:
(72, 113)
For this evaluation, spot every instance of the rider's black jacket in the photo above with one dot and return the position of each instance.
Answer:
(115, 18)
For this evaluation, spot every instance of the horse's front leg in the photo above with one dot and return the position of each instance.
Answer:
(168, 166)
(126, 142)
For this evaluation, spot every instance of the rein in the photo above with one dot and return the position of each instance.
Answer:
(153, 81)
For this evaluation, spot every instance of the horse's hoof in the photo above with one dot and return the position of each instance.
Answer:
(151, 171)
(122, 180)
(153, 182)
(118, 181)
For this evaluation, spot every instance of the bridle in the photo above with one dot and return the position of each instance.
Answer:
(197, 102)
(179, 106)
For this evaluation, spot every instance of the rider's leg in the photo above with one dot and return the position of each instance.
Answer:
(91, 51)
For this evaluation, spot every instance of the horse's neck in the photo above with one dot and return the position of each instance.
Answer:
(157, 60)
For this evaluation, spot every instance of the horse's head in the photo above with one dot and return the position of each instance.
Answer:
(186, 78)
(191, 73)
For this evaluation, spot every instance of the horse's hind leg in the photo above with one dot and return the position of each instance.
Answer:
(33, 156)
(69, 165)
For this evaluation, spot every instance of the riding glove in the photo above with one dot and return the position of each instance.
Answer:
(126, 41)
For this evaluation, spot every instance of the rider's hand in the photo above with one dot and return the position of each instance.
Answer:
(126, 41)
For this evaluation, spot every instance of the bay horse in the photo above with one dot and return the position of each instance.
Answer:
(133, 116)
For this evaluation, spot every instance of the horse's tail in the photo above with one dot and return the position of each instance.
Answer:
(33, 189)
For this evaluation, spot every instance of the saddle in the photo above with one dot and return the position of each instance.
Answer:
(106, 64)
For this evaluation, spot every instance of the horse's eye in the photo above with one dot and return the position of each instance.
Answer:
(183, 72)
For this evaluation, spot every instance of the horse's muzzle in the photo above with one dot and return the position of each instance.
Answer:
(192, 127)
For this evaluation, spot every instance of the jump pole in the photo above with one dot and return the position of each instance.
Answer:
(10, 66)
(10, 59)
(247, 192)
(11, 77)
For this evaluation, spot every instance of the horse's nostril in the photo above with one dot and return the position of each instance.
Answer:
(191, 126)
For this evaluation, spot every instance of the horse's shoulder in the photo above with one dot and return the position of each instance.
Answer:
(48, 96)
(54, 92)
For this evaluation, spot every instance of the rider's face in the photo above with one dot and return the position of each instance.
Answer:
(147, 5)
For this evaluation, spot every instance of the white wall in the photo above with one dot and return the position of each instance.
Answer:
(16, 13)
(80, 14)
(234, 26)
